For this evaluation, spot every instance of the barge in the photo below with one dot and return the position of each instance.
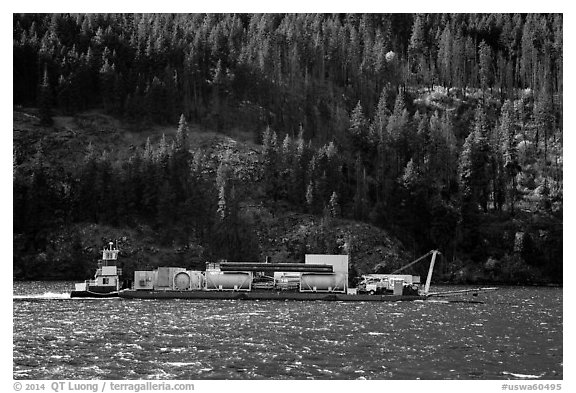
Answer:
(320, 277)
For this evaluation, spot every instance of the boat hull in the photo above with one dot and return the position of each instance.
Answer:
(90, 294)
(262, 295)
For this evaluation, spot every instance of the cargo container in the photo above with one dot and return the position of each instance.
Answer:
(323, 282)
(164, 279)
(144, 280)
(228, 281)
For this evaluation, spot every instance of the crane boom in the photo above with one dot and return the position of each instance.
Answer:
(413, 262)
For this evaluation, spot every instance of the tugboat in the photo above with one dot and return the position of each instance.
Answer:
(106, 282)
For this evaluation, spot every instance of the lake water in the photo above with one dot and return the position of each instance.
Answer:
(516, 333)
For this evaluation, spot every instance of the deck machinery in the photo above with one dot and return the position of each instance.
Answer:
(318, 274)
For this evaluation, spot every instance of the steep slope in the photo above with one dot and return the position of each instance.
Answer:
(283, 235)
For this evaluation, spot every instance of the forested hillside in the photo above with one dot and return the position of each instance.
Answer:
(438, 131)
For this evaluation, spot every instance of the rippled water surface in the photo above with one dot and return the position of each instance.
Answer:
(515, 333)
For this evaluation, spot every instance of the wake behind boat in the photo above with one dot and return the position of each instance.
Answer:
(43, 296)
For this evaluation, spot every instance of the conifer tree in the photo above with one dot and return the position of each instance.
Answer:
(458, 60)
(107, 82)
(41, 202)
(271, 163)
(474, 164)
(485, 56)
(528, 54)
(163, 153)
(445, 57)
(419, 51)
(310, 197)
(511, 165)
(334, 205)
(398, 132)
(470, 63)
(359, 130)
(384, 148)
(422, 138)
(45, 100)
(287, 167)
(182, 137)
(64, 98)
(298, 189)
(218, 88)
(410, 177)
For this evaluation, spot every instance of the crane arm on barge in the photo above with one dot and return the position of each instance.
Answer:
(414, 262)
(430, 269)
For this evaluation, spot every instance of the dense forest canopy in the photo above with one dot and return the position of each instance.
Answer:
(443, 128)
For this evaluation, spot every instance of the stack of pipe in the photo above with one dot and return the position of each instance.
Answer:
(274, 267)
